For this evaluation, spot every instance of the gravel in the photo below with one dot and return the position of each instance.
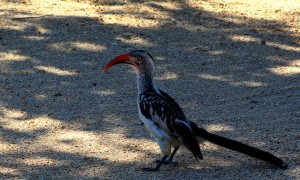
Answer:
(233, 67)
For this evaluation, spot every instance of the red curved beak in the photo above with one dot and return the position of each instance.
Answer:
(124, 58)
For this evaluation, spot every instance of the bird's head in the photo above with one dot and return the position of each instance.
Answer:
(140, 60)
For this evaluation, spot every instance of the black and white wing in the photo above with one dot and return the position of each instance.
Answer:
(167, 115)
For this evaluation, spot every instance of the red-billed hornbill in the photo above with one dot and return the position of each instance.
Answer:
(167, 123)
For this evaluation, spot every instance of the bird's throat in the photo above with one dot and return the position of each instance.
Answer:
(145, 83)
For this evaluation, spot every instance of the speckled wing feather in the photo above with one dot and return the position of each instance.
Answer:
(168, 116)
(161, 109)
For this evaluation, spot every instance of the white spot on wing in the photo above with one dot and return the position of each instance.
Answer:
(152, 128)
(151, 110)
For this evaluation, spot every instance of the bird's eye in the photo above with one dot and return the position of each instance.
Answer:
(139, 58)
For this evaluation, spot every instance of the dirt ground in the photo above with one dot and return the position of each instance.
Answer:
(233, 66)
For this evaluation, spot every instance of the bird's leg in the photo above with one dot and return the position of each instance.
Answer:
(157, 166)
(170, 160)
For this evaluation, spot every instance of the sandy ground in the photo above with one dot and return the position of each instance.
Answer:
(232, 65)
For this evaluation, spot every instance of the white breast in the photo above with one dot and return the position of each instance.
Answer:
(153, 129)
(164, 140)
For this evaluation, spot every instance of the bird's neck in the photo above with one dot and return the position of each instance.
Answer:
(145, 83)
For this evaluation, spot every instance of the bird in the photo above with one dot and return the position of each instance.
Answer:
(166, 122)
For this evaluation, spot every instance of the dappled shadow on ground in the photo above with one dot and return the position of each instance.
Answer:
(221, 72)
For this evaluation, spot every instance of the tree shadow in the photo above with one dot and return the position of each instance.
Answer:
(228, 74)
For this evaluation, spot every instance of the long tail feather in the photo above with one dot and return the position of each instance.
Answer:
(240, 147)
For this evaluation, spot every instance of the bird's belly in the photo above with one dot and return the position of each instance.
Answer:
(153, 129)
(161, 136)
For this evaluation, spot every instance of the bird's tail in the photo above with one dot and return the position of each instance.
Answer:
(239, 147)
